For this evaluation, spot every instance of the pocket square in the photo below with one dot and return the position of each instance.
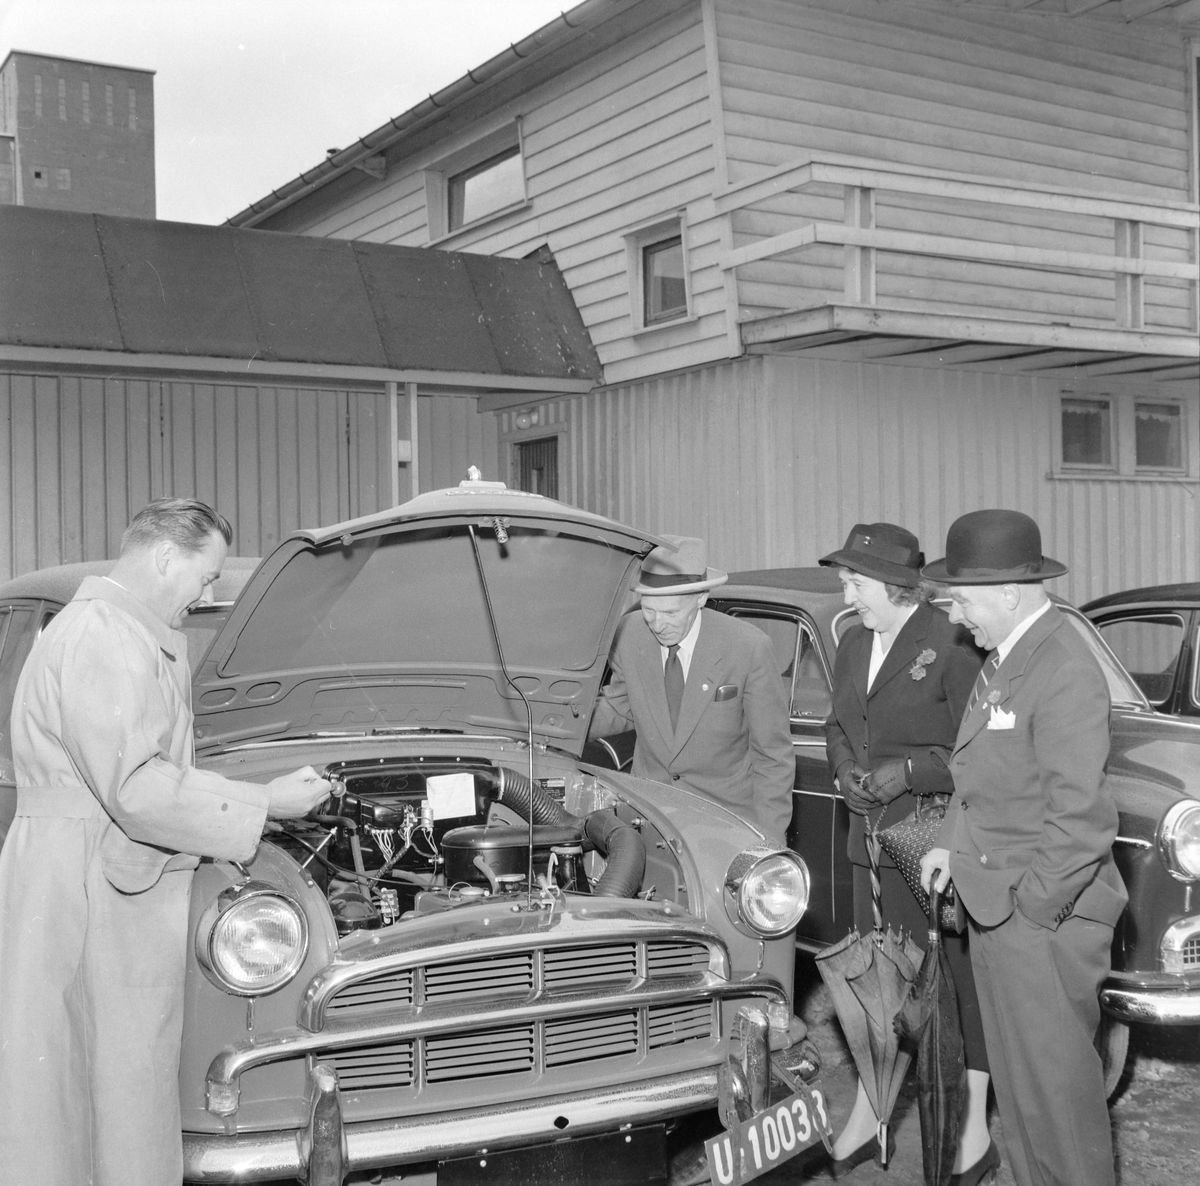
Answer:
(1000, 719)
(726, 692)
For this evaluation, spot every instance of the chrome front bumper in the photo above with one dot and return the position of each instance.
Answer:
(1152, 1006)
(314, 1156)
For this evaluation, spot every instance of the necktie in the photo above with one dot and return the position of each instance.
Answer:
(673, 681)
(983, 679)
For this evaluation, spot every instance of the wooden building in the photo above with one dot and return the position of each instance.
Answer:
(841, 260)
(286, 380)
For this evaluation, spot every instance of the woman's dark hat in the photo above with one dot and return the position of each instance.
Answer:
(880, 550)
(993, 548)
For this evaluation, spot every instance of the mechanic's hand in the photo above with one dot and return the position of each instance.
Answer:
(296, 794)
(935, 866)
(888, 780)
(851, 782)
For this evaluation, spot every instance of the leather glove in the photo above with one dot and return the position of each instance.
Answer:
(888, 780)
(850, 779)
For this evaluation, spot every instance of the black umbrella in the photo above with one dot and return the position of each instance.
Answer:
(929, 1017)
(869, 978)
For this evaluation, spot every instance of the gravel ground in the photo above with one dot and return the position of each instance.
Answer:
(1155, 1114)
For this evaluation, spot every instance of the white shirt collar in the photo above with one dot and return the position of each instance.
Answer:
(1007, 645)
(686, 646)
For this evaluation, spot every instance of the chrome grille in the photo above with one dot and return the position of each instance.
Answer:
(534, 1046)
(668, 1025)
(675, 959)
(392, 990)
(567, 968)
(367, 1067)
(472, 1056)
(501, 974)
(1190, 952)
(587, 1039)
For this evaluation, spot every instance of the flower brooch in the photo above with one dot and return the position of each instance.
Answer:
(917, 670)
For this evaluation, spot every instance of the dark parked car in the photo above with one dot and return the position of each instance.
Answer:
(1155, 632)
(385, 985)
(1154, 770)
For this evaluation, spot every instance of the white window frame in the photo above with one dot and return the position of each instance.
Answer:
(438, 175)
(1122, 416)
(636, 241)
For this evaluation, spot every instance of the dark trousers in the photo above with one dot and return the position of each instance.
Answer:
(902, 913)
(1039, 996)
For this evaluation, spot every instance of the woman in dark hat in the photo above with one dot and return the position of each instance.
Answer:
(901, 682)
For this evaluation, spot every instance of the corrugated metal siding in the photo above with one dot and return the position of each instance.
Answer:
(1022, 96)
(82, 454)
(774, 459)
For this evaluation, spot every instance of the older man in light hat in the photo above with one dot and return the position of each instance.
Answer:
(1027, 841)
(703, 691)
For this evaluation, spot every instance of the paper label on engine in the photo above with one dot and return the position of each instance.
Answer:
(451, 795)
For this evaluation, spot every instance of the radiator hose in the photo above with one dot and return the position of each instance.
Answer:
(616, 840)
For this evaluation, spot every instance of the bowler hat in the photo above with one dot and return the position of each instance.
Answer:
(880, 550)
(666, 573)
(993, 548)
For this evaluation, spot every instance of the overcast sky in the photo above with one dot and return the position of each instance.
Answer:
(249, 93)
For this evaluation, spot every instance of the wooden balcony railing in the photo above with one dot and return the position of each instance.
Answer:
(861, 240)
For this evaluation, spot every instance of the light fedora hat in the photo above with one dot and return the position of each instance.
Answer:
(666, 573)
(993, 548)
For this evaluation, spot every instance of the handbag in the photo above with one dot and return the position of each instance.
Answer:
(907, 841)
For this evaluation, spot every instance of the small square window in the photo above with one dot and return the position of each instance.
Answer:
(1158, 436)
(664, 288)
(41, 178)
(485, 188)
(1087, 432)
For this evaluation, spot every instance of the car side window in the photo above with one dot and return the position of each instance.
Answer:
(1122, 688)
(1148, 646)
(799, 662)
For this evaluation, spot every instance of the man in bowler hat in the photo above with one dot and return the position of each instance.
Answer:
(1027, 841)
(704, 692)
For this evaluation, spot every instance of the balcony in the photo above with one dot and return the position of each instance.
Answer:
(853, 258)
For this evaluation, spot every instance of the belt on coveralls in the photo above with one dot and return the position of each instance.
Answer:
(65, 802)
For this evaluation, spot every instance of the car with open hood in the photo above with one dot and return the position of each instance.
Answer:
(482, 955)
(1153, 770)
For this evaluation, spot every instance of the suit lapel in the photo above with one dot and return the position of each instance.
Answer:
(905, 649)
(1008, 675)
(700, 686)
(649, 671)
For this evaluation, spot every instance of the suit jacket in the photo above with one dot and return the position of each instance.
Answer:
(736, 749)
(905, 715)
(1032, 821)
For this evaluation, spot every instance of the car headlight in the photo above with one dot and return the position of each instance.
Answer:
(1179, 840)
(770, 888)
(252, 939)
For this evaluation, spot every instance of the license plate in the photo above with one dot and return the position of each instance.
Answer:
(768, 1139)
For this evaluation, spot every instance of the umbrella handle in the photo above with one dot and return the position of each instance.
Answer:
(935, 912)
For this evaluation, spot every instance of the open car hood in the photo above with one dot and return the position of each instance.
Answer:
(382, 623)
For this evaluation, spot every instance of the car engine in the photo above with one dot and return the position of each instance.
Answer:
(404, 837)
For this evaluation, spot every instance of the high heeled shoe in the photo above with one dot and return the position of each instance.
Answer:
(865, 1152)
(974, 1175)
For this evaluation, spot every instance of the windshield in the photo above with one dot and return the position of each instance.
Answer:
(414, 599)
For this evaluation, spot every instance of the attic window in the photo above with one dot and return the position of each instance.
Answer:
(483, 181)
(485, 188)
